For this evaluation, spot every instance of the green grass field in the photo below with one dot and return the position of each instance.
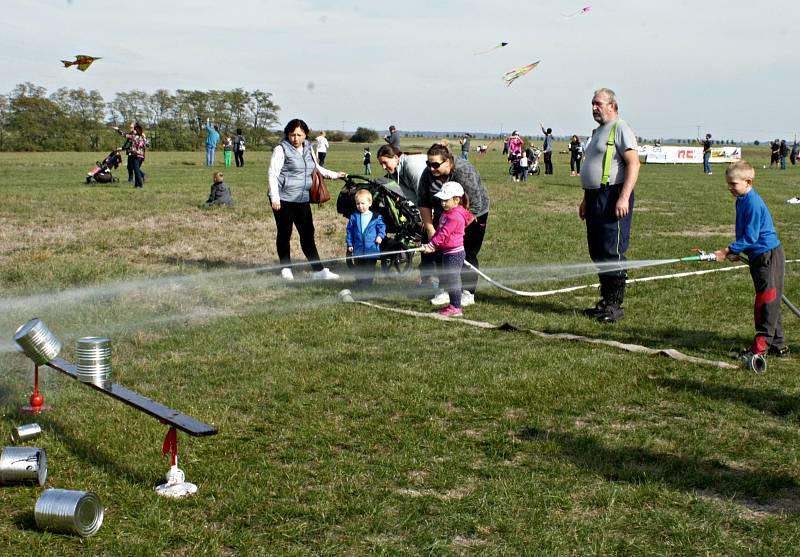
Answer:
(346, 430)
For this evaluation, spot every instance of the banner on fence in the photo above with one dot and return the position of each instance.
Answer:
(673, 154)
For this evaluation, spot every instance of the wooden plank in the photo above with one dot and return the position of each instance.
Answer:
(140, 402)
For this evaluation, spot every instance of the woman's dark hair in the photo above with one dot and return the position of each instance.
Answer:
(441, 150)
(388, 151)
(238, 131)
(293, 125)
(137, 127)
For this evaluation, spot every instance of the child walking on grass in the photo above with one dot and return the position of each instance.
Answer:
(757, 238)
(449, 239)
(227, 148)
(365, 232)
(367, 161)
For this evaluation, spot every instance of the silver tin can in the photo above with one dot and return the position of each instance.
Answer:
(37, 342)
(25, 432)
(23, 465)
(93, 360)
(69, 512)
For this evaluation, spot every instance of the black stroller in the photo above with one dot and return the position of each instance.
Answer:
(101, 173)
(401, 216)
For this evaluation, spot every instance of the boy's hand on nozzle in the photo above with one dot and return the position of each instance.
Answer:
(378, 240)
(349, 249)
(725, 253)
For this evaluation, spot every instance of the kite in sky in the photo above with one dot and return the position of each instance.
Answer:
(583, 10)
(519, 72)
(81, 60)
(501, 45)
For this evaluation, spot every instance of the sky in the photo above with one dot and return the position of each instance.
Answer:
(730, 68)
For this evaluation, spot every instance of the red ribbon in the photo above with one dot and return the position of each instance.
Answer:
(171, 445)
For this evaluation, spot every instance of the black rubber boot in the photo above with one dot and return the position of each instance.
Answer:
(616, 294)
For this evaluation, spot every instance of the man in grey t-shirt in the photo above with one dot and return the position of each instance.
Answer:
(608, 176)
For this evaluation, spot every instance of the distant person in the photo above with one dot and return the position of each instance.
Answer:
(505, 146)
(706, 154)
(220, 192)
(404, 169)
(515, 143)
(547, 149)
(610, 171)
(211, 142)
(793, 154)
(784, 152)
(444, 167)
(290, 169)
(137, 149)
(129, 155)
(367, 160)
(774, 152)
(393, 138)
(322, 147)
(227, 149)
(465, 143)
(575, 156)
(238, 148)
(365, 233)
(449, 241)
(757, 238)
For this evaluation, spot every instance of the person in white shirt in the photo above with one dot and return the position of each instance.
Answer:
(322, 148)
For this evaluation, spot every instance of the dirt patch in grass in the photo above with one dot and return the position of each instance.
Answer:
(721, 230)
(788, 503)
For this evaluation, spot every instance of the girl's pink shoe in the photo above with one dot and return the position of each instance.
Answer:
(451, 311)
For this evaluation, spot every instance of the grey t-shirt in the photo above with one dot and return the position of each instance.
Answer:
(595, 152)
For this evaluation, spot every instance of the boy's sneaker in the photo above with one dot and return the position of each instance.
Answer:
(286, 274)
(467, 298)
(782, 352)
(450, 311)
(441, 299)
(324, 274)
(611, 314)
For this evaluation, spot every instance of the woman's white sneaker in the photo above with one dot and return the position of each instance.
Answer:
(441, 299)
(286, 274)
(325, 274)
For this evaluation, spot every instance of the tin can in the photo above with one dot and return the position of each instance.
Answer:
(93, 360)
(37, 342)
(69, 512)
(23, 465)
(25, 432)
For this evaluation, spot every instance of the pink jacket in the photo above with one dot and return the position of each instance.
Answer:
(449, 237)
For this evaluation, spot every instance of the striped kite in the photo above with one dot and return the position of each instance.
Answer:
(509, 77)
(583, 10)
(501, 45)
(81, 60)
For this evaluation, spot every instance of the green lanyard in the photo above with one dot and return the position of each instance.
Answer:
(609, 154)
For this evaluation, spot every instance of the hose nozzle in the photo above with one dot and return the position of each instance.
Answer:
(701, 256)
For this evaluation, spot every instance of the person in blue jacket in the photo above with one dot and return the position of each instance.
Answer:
(211, 143)
(757, 238)
(365, 232)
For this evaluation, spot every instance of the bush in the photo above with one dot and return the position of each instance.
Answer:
(364, 135)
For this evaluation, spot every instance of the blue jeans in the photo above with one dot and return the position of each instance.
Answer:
(465, 155)
(707, 162)
(523, 174)
(137, 171)
(783, 162)
(210, 151)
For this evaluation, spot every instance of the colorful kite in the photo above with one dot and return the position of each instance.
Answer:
(583, 10)
(501, 45)
(81, 60)
(519, 72)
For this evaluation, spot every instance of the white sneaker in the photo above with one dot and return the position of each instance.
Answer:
(441, 299)
(467, 298)
(324, 274)
(286, 274)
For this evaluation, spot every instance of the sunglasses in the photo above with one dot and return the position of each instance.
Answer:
(434, 165)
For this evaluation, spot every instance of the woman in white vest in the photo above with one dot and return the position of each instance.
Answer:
(290, 170)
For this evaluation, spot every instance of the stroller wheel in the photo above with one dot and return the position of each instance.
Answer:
(399, 263)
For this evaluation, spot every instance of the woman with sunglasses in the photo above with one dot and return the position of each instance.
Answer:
(443, 167)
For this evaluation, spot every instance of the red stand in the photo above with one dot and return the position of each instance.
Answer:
(37, 400)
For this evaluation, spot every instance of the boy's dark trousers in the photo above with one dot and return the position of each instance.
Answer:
(365, 271)
(767, 273)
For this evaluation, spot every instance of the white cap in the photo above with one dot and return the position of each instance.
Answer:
(450, 190)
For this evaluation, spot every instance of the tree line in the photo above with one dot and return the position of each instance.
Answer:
(79, 120)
